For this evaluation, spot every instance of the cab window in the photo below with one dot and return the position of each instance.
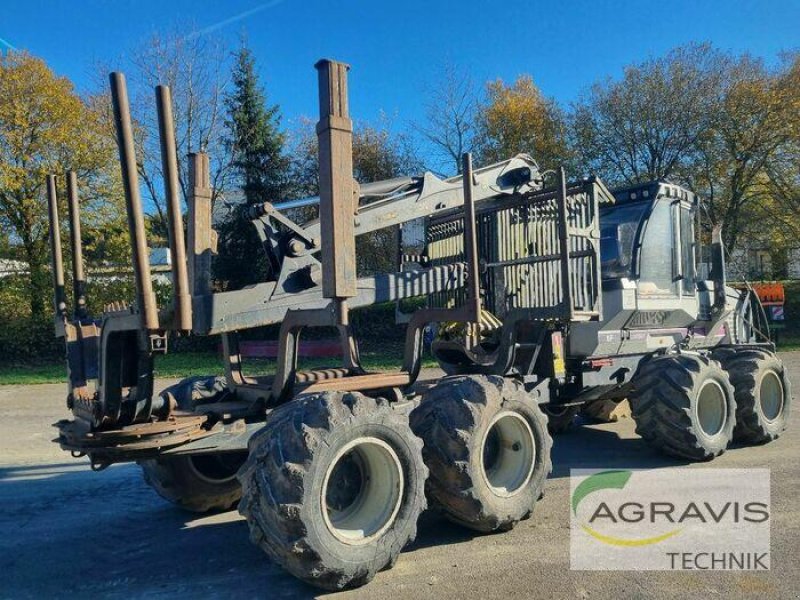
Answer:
(618, 227)
(656, 269)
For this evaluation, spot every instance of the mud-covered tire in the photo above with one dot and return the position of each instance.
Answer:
(198, 483)
(763, 393)
(560, 418)
(455, 420)
(286, 492)
(684, 405)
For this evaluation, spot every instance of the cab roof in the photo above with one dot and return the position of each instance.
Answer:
(652, 190)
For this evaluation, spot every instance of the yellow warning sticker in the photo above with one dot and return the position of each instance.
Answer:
(559, 369)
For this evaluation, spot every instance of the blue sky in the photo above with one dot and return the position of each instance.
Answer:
(397, 48)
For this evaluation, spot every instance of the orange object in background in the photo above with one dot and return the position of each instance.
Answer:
(770, 293)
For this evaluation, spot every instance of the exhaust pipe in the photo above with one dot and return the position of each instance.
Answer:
(59, 297)
(146, 299)
(78, 276)
(181, 298)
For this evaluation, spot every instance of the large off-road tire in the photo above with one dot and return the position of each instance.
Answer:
(333, 487)
(560, 418)
(487, 448)
(763, 393)
(197, 483)
(683, 405)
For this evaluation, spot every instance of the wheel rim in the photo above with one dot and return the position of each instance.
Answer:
(362, 491)
(711, 408)
(216, 468)
(509, 454)
(770, 396)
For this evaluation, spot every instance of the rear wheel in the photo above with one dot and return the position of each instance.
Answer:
(683, 405)
(487, 448)
(203, 482)
(762, 391)
(198, 483)
(333, 487)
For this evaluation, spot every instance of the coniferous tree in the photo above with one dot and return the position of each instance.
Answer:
(260, 167)
(255, 138)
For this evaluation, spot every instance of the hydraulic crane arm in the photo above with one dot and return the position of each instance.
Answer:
(429, 195)
(385, 204)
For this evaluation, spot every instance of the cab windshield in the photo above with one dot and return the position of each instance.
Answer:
(618, 227)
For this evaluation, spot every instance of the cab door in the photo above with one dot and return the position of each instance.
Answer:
(665, 286)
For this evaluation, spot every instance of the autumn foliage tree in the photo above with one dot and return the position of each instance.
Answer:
(45, 127)
(752, 140)
(724, 125)
(519, 118)
(647, 125)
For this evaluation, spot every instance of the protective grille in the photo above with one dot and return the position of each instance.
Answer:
(519, 243)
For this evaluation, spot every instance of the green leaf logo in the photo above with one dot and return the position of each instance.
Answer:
(611, 480)
(597, 482)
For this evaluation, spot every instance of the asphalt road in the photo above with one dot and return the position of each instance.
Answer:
(66, 531)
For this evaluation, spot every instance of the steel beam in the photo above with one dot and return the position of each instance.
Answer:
(146, 299)
(471, 242)
(563, 243)
(78, 275)
(202, 237)
(338, 191)
(59, 297)
(181, 296)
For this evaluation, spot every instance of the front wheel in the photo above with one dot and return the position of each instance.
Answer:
(683, 405)
(487, 448)
(333, 487)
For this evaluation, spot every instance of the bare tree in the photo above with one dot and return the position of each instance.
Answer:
(450, 117)
(378, 154)
(197, 70)
(646, 125)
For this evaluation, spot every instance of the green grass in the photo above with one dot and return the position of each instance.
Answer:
(375, 357)
(186, 364)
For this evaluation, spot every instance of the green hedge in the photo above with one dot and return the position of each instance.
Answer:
(28, 342)
(373, 325)
(25, 341)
